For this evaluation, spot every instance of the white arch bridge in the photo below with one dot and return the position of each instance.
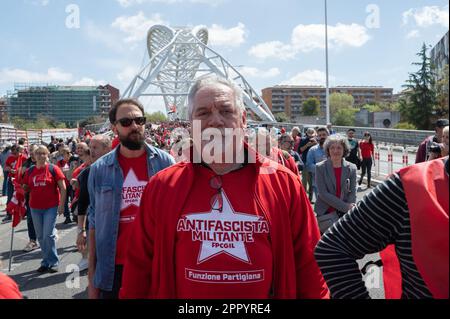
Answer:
(177, 57)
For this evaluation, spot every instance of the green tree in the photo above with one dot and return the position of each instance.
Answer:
(92, 120)
(420, 103)
(340, 101)
(281, 117)
(442, 94)
(311, 107)
(372, 107)
(156, 117)
(345, 117)
(405, 126)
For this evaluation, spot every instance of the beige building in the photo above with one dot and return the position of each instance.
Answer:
(289, 98)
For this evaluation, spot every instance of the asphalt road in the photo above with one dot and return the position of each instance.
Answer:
(68, 283)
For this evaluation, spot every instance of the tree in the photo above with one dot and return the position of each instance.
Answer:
(372, 107)
(339, 101)
(92, 120)
(156, 117)
(345, 117)
(405, 126)
(420, 103)
(281, 117)
(442, 94)
(311, 107)
(41, 122)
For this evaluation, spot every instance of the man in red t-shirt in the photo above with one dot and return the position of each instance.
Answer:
(118, 180)
(219, 226)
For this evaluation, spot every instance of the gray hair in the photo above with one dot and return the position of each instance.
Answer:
(104, 139)
(337, 139)
(210, 80)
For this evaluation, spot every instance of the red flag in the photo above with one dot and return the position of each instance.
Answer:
(16, 207)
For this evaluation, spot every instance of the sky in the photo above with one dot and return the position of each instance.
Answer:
(85, 42)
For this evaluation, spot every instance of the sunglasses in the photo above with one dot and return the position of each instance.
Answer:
(126, 122)
(217, 200)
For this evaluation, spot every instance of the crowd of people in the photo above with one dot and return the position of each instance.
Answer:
(280, 221)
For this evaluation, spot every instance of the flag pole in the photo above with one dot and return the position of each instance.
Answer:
(11, 247)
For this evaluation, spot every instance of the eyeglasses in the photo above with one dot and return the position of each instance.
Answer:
(216, 201)
(126, 122)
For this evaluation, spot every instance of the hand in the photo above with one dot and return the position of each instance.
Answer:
(81, 241)
(350, 206)
(61, 209)
(93, 293)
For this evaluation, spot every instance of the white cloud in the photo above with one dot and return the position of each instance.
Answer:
(89, 82)
(19, 75)
(308, 77)
(128, 3)
(413, 34)
(427, 16)
(306, 38)
(137, 26)
(42, 3)
(272, 49)
(101, 35)
(232, 37)
(257, 73)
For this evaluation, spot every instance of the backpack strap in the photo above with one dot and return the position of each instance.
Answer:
(51, 168)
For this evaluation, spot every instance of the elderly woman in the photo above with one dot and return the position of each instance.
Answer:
(336, 182)
(45, 182)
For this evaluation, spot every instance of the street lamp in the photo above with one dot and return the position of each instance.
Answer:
(327, 90)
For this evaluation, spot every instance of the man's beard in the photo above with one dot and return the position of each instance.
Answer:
(133, 144)
(322, 141)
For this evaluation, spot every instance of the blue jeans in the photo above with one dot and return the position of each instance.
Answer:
(5, 183)
(44, 221)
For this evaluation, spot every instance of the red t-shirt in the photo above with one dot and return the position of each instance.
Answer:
(366, 149)
(44, 191)
(8, 288)
(115, 142)
(337, 175)
(75, 174)
(223, 254)
(135, 179)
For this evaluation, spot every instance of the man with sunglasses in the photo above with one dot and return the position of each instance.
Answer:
(116, 182)
(240, 227)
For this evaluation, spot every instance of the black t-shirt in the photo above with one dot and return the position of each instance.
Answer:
(83, 199)
(353, 156)
(303, 142)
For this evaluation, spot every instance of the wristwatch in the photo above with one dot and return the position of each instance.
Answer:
(81, 230)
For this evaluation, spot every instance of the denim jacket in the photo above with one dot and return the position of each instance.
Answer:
(105, 192)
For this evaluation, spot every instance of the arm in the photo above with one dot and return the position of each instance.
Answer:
(93, 292)
(310, 161)
(305, 233)
(62, 189)
(368, 228)
(325, 195)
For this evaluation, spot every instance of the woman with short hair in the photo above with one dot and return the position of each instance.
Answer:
(45, 182)
(336, 183)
